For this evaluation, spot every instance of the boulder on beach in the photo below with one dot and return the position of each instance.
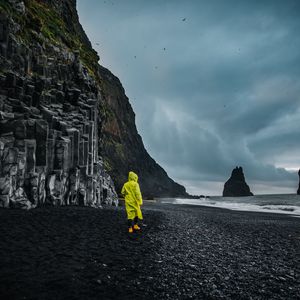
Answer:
(236, 185)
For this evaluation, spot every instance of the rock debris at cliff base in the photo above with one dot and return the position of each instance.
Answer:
(184, 252)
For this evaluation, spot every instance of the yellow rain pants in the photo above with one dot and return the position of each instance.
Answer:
(133, 197)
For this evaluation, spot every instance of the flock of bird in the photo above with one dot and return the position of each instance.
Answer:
(164, 49)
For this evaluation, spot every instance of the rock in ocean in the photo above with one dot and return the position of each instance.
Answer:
(236, 185)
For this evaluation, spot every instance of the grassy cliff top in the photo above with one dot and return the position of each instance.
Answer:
(44, 23)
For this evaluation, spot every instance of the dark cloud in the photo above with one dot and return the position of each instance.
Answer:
(218, 90)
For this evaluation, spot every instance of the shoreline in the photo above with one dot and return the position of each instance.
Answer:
(287, 207)
(182, 252)
(239, 211)
(262, 214)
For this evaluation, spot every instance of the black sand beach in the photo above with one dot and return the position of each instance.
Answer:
(184, 252)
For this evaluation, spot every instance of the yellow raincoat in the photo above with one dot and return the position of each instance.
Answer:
(133, 197)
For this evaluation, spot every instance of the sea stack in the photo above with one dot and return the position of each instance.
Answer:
(298, 191)
(236, 185)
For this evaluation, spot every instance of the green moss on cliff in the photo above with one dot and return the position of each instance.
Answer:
(119, 148)
(42, 22)
(5, 6)
(107, 165)
(106, 112)
(41, 18)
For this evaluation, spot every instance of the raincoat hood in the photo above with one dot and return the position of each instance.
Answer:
(132, 176)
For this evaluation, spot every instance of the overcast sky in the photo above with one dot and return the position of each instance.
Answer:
(214, 84)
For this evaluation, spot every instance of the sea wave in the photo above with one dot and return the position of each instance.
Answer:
(241, 206)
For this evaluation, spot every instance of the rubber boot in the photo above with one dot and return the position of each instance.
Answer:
(130, 226)
(136, 226)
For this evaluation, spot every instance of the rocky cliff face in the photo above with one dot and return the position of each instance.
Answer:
(49, 109)
(122, 146)
(236, 185)
(60, 113)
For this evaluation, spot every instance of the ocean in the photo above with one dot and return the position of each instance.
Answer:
(283, 204)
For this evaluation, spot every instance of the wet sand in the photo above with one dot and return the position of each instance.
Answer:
(182, 252)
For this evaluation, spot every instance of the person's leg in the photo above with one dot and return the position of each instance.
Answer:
(130, 225)
(136, 226)
(130, 216)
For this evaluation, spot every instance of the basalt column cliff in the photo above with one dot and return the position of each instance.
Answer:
(65, 122)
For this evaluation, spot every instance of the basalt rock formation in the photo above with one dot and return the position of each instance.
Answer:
(65, 122)
(298, 191)
(49, 112)
(236, 185)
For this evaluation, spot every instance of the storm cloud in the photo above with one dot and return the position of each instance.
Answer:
(214, 84)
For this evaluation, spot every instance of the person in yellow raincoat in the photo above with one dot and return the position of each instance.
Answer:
(133, 201)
